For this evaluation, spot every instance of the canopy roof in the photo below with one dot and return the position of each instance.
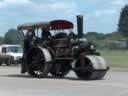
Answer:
(52, 25)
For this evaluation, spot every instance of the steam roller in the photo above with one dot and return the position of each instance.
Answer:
(59, 53)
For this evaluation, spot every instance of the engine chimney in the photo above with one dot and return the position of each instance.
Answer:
(80, 26)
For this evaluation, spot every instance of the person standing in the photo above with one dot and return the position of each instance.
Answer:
(28, 43)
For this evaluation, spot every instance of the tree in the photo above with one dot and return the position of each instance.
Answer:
(95, 36)
(114, 36)
(13, 37)
(1, 40)
(123, 21)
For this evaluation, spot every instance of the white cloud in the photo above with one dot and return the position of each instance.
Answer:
(17, 2)
(104, 12)
(6, 3)
(62, 7)
(119, 3)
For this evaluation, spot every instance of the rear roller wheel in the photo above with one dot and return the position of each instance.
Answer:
(37, 64)
(60, 69)
(89, 70)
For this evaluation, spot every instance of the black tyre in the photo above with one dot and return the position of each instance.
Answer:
(0, 63)
(60, 69)
(36, 63)
(9, 62)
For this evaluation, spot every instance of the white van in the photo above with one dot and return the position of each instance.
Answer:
(10, 54)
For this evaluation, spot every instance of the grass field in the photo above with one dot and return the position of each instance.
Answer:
(116, 58)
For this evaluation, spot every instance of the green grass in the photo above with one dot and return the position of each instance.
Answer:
(116, 58)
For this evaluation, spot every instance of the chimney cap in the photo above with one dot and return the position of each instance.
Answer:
(79, 16)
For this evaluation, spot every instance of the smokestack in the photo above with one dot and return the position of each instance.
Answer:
(80, 26)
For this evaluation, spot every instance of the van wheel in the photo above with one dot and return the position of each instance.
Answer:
(0, 63)
(9, 61)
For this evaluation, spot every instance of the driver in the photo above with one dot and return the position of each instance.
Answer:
(28, 43)
(46, 35)
(29, 40)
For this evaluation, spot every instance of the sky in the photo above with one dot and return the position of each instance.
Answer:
(99, 15)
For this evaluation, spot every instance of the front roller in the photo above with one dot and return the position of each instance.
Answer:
(92, 68)
(38, 62)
